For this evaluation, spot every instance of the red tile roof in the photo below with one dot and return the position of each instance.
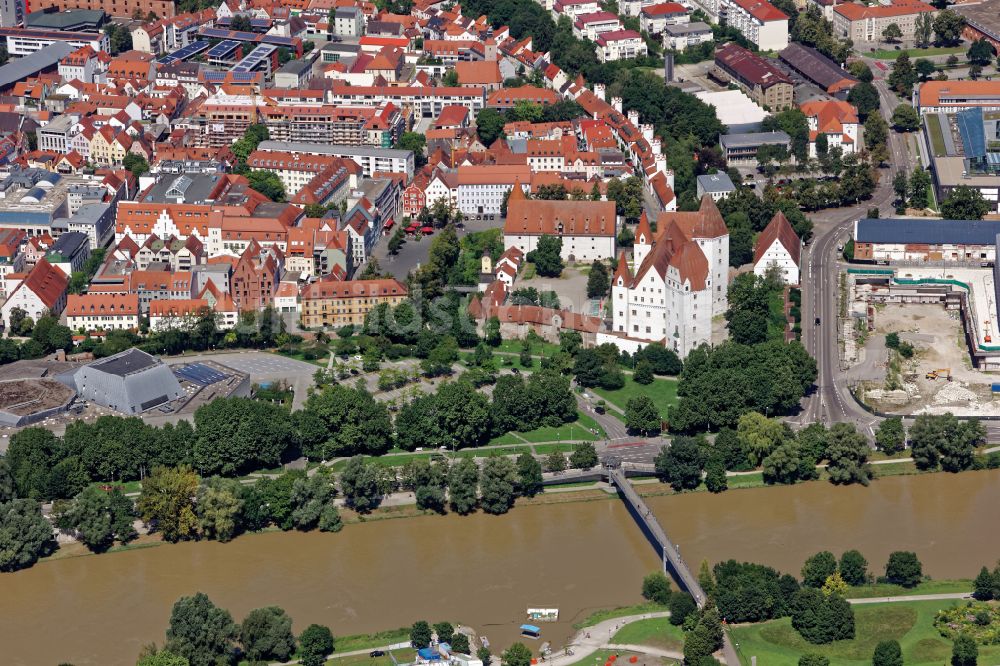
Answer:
(778, 229)
(47, 282)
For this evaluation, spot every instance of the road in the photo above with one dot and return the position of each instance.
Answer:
(831, 401)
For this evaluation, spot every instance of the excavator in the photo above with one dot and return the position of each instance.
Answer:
(943, 373)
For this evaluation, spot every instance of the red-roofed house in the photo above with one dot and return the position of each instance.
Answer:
(836, 119)
(40, 292)
(863, 23)
(655, 18)
(482, 74)
(587, 228)
(589, 26)
(778, 245)
(102, 312)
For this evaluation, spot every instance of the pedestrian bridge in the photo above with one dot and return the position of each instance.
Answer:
(672, 561)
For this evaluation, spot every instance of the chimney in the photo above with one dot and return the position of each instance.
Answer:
(647, 132)
(616, 102)
(633, 117)
(599, 90)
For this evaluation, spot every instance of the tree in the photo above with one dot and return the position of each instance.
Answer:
(715, 474)
(315, 644)
(167, 499)
(498, 485)
(463, 484)
(30, 458)
(890, 436)
(266, 635)
(813, 659)
(981, 52)
(704, 639)
(241, 23)
(547, 256)
(964, 651)
(876, 132)
(96, 515)
(818, 568)
(887, 653)
(663, 361)
(489, 125)
(920, 183)
(154, 657)
(460, 644)
(903, 568)
(200, 631)
(361, 484)
(25, 535)
(759, 435)
(641, 415)
(965, 203)
(516, 655)
(948, 27)
(311, 497)
(847, 451)
(529, 475)
(445, 631)
(656, 588)
(923, 29)
(892, 33)
(821, 618)
(218, 508)
(555, 462)
(925, 69)
(598, 282)
(834, 584)
(796, 125)
(983, 585)
(135, 163)
(267, 183)
(853, 568)
(643, 373)
(416, 142)
(681, 604)
(864, 97)
(237, 434)
(903, 76)
(583, 457)
(420, 634)
(680, 464)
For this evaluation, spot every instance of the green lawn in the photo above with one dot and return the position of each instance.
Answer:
(538, 348)
(892, 54)
(369, 641)
(654, 632)
(576, 430)
(610, 613)
(927, 587)
(662, 391)
(937, 136)
(775, 643)
(126, 488)
(601, 657)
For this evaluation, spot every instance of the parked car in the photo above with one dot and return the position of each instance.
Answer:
(376, 653)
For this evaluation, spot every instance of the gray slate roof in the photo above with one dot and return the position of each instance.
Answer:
(931, 232)
(31, 64)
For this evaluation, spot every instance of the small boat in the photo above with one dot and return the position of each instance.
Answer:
(530, 631)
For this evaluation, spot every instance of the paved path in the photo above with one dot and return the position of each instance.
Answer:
(915, 597)
(589, 640)
(351, 653)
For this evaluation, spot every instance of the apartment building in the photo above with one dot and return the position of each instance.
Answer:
(767, 85)
(297, 170)
(102, 312)
(425, 102)
(328, 304)
(758, 20)
(865, 23)
(328, 123)
(587, 228)
(482, 189)
(620, 45)
(371, 160)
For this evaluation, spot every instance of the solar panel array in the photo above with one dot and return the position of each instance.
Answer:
(220, 33)
(199, 373)
(256, 57)
(223, 49)
(185, 52)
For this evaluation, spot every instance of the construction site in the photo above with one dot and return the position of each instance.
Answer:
(922, 340)
(26, 401)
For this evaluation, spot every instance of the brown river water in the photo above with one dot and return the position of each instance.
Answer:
(483, 570)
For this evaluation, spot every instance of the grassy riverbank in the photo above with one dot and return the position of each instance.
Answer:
(655, 632)
(621, 611)
(602, 656)
(776, 643)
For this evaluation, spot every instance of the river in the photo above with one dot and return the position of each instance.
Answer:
(484, 570)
